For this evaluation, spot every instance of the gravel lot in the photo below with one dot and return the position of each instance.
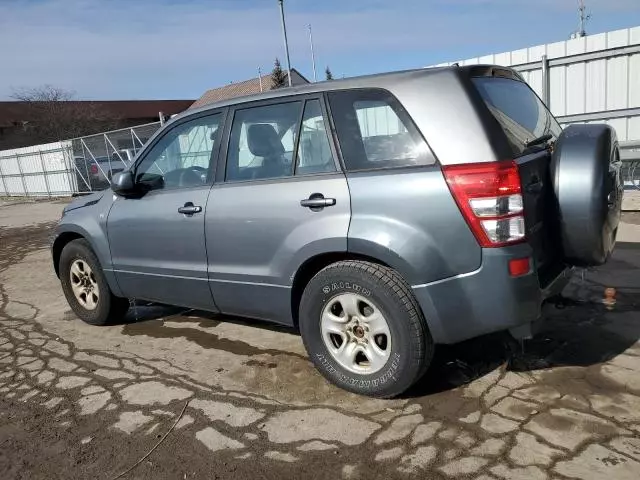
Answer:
(228, 398)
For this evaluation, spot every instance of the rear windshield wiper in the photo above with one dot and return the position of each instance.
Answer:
(537, 141)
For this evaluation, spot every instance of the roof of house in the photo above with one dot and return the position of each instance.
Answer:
(247, 87)
(16, 111)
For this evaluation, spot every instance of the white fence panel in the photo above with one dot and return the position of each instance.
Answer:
(10, 165)
(40, 170)
(35, 185)
(14, 186)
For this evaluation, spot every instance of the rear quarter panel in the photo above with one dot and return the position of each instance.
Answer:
(408, 219)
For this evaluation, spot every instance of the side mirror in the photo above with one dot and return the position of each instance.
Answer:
(122, 183)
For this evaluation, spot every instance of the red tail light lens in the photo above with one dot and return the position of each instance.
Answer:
(490, 199)
(94, 169)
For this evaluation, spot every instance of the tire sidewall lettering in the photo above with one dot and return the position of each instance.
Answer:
(381, 379)
(342, 286)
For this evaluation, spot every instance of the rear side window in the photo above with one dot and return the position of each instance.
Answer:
(375, 131)
(518, 110)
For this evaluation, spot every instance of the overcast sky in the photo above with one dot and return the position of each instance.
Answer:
(128, 49)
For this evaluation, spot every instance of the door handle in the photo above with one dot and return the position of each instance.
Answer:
(317, 201)
(189, 209)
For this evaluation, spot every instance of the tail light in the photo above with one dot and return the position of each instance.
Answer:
(94, 169)
(489, 196)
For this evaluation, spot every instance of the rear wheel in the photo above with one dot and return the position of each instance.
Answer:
(85, 286)
(364, 330)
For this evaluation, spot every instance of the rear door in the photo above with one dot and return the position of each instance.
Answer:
(522, 117)
(279, 199)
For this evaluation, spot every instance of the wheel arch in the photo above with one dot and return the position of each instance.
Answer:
(308, 269)
(58, 245)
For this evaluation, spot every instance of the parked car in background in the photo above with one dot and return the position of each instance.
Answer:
(100, 170)
(380, 215)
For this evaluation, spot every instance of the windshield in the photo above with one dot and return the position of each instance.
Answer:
(521, 114)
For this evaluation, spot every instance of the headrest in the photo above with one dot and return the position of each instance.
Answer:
(263, 140)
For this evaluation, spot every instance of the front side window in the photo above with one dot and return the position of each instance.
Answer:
(374, 131)
(262, 141)
(182, 157)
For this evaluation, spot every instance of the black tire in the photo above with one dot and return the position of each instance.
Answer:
(109, 308)
(411, 343)
(585, 172)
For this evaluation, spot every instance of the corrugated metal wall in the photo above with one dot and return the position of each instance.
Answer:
(593, 78)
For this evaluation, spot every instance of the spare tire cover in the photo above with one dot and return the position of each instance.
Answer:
(585, 171)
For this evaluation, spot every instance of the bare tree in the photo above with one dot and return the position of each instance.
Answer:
(54, 115)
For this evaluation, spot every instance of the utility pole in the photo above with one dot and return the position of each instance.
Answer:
(260, 77)
(313, 56)
(286, 43)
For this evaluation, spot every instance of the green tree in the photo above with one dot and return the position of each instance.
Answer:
(327, 74)
(278, 76)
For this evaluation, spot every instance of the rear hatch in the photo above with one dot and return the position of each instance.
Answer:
(529, 130)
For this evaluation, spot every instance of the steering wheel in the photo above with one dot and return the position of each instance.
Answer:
(200, 171)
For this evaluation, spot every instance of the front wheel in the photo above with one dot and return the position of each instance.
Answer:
(364, 329)
(85, 286)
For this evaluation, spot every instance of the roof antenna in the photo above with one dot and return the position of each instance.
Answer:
(583, 17)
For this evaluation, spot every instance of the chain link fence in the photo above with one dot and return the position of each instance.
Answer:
(96, 158)
(70, 167)
(87, 164)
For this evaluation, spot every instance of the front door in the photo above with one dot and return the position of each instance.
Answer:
(281, 199)
(157, 240)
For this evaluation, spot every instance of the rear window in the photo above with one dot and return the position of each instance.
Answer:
(375, 132)
(518, 110)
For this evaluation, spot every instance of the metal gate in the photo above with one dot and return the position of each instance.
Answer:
(97, 158)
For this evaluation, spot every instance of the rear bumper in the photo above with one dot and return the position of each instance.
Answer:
(485, 300)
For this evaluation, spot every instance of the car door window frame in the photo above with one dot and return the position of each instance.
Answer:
(327, 130)
(215, 151)
(303, 98)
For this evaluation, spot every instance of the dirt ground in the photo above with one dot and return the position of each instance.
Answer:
(227, 398)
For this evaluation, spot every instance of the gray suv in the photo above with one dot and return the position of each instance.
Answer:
(380, 215)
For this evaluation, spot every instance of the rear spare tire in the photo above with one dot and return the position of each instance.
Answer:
(585, 171)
